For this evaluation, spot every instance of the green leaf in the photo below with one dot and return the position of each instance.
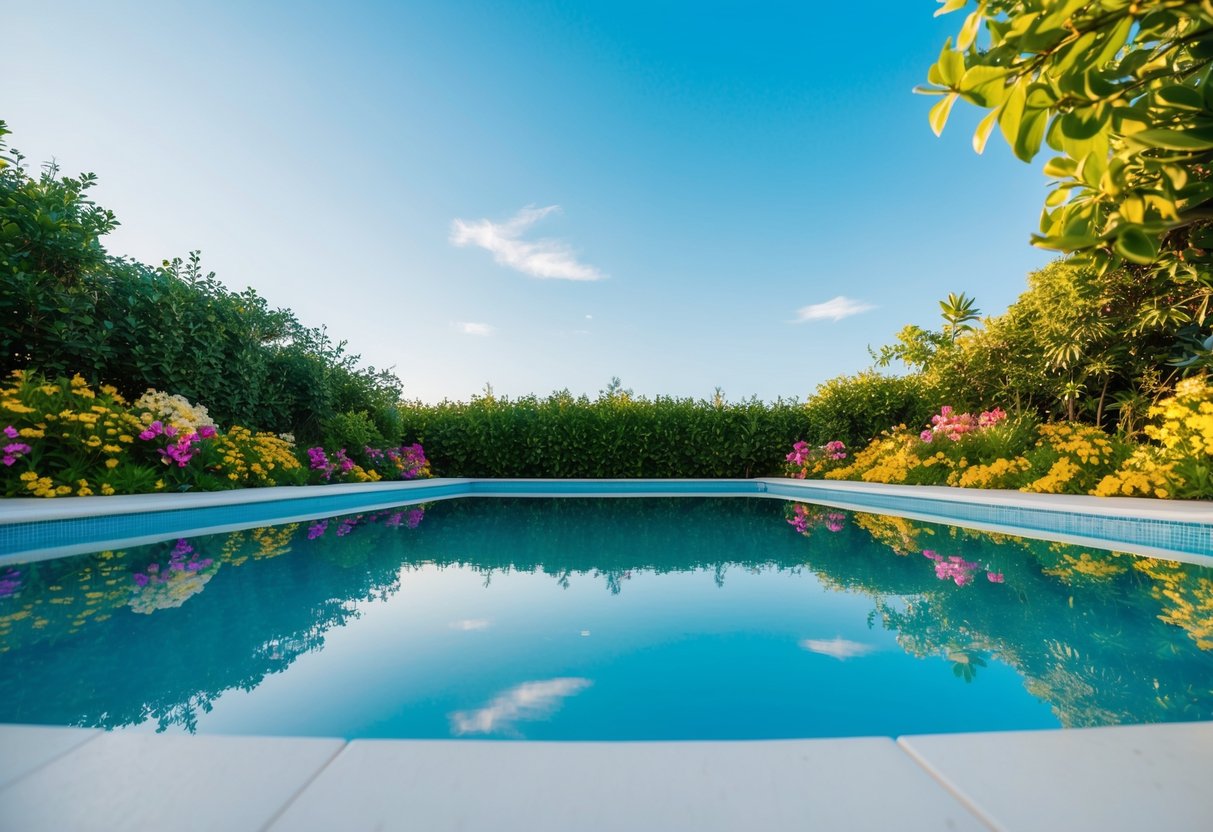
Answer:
(949, 6)
(1012, 112)
(1175, 139)
(1031, 134)
(1181, 98)
(982, 134)
(938, 116)
(1060, 167)
(968, 31)
(985, 86)
(1136, 246)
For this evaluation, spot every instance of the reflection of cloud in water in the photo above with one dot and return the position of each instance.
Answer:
(838, 647)
(469, 624)
(530, 700)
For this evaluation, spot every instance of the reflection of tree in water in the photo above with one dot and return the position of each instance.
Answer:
(1103, 637)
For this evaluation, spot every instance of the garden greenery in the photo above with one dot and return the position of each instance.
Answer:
(68, 307)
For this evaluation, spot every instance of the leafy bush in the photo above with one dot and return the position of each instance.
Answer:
(63, 438)
(614, 435)
(67, 307)
(853, 409)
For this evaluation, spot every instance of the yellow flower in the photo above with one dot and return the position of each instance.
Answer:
(111, 463)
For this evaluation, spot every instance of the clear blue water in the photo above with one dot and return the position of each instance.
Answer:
(605, 619)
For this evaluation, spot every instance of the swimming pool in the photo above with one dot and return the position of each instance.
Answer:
(582, 619)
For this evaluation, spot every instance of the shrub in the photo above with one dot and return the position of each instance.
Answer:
(1181, 463)
(853, 409)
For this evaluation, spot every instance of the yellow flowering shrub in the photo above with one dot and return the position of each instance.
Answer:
(1181, 463)
(1001, 473)
(171, 410)
(1077, 456)
(1187, 598)
(244, 458)
(63, 438)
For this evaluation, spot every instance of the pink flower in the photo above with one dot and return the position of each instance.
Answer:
(994, 577)
(11, 432)
(207, 432)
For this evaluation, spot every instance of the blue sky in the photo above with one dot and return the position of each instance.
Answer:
(540, 195)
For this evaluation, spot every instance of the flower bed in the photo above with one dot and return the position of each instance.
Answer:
(63, 438)
(993, 450)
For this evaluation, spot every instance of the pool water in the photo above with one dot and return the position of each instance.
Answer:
(605, 619)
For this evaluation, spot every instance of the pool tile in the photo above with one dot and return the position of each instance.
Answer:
(1134, 778)
(776, 785)
(150, 781)
(24, 748)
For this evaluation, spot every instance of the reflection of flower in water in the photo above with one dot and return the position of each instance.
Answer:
(171, 585)
(838, 647)
(804, 518)
(10, 583)
(530, 700)
(958, 570)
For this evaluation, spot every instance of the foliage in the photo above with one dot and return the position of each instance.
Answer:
(1121, 91)
(614, 435)
(63, 438)
(853, 409)
(1076, 344)
(1181, 463)
(66, 307)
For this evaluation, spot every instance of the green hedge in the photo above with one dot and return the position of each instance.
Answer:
(613, 436)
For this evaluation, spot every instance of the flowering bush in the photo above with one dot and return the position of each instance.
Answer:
(64, 438)
(407, 462)
(340, 468)
(1181, 464)
(952, 425)
(807, 461)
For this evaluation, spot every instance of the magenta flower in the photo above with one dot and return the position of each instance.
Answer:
(414, 518)
(207, 432)
(317, 529)
(140, 579)
(11, 432)
(994, 577)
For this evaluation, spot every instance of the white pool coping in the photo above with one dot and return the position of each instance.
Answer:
(1131, 778)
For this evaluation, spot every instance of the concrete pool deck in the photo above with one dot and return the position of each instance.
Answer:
(1113, 778)
(1116, 778)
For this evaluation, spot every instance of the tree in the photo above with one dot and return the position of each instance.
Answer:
(1121, 90)
(958, 313)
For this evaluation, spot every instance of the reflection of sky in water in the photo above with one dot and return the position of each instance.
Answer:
(711, 618)
(528, 701)
(838, 647)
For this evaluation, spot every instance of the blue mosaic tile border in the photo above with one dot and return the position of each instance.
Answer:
(1174, 535)
(22, 537)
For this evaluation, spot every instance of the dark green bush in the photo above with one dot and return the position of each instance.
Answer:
(614, 435)
(68, 307)
(853, 409)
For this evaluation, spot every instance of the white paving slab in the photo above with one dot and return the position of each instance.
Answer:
(24, 748)
(854, 784)
(1139, 777)
(155, 782)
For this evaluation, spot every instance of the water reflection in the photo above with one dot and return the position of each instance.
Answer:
(157, 634)
(838, 647)
(528, 701)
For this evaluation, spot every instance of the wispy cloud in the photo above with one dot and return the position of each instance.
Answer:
(471, 328)
(834, 309)
(544, 258)
(530, 700)
(838, 647)
(470, 624)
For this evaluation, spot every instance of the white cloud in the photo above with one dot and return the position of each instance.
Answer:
(467, 625)
(544, 258)
(838, 647)
(530, 700)
(832, 310)
(470, 328)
